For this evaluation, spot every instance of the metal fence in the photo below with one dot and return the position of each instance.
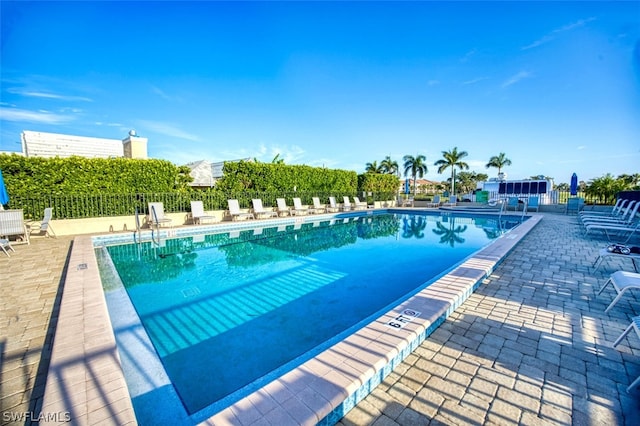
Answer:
(105, 205)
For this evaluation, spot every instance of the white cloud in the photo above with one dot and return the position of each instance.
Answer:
(168, 130)
(539, 42)
(469, 55)
(290, 154)
(158, 91)
(552, 35)
(516, 78)
(47, 95)
(22, 115)
(474, 81)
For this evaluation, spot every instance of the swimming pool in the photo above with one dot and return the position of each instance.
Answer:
(276, 296)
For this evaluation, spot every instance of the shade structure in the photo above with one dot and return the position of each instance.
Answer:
(573, 188)
(406, 186)
(4, 196)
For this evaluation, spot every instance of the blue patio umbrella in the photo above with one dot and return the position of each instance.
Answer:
(573, 188)
(406, 186)
(4, 196)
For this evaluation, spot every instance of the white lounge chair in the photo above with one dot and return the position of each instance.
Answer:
(609, 229)
(298, 209)
(604, 253)
(12, 224)
(197, 213)
(405, 202)
(622, 281)
(4, 245)
(235, 212)
(359, 205)
(319, 208)
(625, 218)
(617, 209)
(259, 211)
(346, 204)
(635, 325)
(156, 215)
(282, 208)
(435, 202)
(333, 206)
(44, 226)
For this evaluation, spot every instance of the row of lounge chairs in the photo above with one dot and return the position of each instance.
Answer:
(621, 220)
(282, 209)
(13, 226)
(157, 217)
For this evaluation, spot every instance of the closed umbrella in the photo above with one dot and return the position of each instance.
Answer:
(406, 186)
(4, 196)
(573, 188)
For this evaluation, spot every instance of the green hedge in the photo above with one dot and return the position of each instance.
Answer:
(385, 185)
(78, 187)
(29, 176)
(278, 178)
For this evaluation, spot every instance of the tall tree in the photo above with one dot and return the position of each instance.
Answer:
(389, 166)
(416, 166)
(452, 159)
(605, 187)
(633, 181)
(373, 168)
(498, 161)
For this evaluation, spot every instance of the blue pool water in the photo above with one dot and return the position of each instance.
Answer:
(224, 310)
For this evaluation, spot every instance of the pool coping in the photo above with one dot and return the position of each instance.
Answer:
(85, 377)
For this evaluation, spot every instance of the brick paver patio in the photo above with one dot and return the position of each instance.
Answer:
(531, 346)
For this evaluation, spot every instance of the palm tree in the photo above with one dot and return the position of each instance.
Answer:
(416, 165)
(499, 161)
(389, 166)
(632, 181)
(452, 159)
(373, 168)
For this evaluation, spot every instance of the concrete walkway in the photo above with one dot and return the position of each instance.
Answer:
(29, 295)
(531, 346)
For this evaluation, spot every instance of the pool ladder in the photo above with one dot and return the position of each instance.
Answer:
(137, 233)
(155, 222)
(155, 231)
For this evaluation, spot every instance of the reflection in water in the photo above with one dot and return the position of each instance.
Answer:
(413, 227)
(451, 234)
(151, 262)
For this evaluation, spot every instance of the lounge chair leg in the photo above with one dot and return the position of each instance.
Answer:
(624, 333)
(635, 383)
(614, 301)
(604, 285)
(596, 263)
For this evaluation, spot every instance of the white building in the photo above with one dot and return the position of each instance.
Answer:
(41, 144)
(205, 174)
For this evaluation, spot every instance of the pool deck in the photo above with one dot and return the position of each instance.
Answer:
(532, 345)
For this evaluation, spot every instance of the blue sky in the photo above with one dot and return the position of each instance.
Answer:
(554, 85)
